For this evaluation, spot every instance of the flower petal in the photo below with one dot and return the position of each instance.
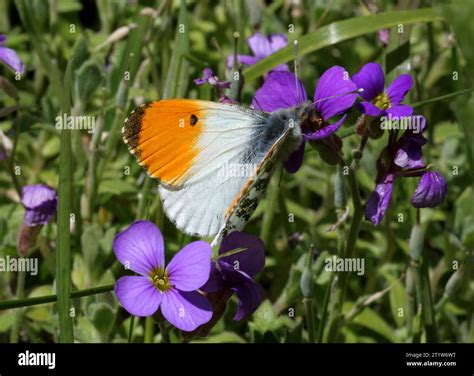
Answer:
(215, 281)
(279, 91)
(34, 196)
(399, 88)
(138, 295)
(384, 36)
(11, 58)
(371, 79)
(325, 131)
(189, 269)
(430, 191)
(378, 201)
(250, 261)
(241, 59)
(185, 310)
(140, 247)
(400, 111)
(249, 292)
(334, 81)
(207, 73)
(263, 46)
(277, 42)
(259, 45)
(250, 296)
(369, 109)
(295, 159)
(409, 154)
(40, 202)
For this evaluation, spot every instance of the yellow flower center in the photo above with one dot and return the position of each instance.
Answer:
(382, 101)
(160, 279)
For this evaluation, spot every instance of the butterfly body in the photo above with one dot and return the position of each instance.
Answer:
(213, 160)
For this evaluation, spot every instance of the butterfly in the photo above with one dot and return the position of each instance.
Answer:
(213, 160)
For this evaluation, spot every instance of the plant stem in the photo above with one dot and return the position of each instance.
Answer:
(141, 213)
(442, 98)
(308, 305)
(149, 329)
(343, 277)
(130, 329)
(143, 203)
(324, 310)
(349, 247)
(165, 337)
(63, 258)
(28, 302)
(429, 311)
(20, 288)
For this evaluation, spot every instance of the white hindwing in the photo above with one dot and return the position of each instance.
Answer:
(234, 142)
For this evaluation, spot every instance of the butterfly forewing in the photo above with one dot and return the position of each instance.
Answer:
(207, 156)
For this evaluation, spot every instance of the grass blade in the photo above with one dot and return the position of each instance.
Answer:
(63, 258)
(340, 31)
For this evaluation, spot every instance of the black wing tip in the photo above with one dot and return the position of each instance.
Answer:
(132, 127)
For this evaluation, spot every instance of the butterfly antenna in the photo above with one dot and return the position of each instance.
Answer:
(295, 59)
(357, 91)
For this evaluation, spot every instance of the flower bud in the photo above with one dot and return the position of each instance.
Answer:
(26, 238)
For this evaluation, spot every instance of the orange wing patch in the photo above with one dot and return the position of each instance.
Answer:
(163, 136)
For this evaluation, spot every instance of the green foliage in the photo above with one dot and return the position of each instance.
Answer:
(122, 54)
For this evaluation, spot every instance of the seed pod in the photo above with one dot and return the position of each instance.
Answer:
(454, 283)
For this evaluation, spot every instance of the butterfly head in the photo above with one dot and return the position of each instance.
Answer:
(310, 120)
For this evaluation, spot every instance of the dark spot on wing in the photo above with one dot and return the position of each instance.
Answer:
(194, 119)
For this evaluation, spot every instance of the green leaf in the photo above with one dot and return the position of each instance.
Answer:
(340, 31)
(265, 319)
(132, 48)
(7, 320)
(86, 332)
(178, 72)
(90, 239)
(398, 299)
(102, 316)
(88, 79)
(66, 6)
(116, 187)
(51, 148)
(371, 320)
(80, 52)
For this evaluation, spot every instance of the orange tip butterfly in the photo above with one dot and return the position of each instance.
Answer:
(213, 160)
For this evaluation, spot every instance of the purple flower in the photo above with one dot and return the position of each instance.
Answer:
(235, 272)
(40, 202)
(261, 47)
(430, 191)
(377, 101)
(279, 91)
(379, 200)
(140, 248)
(9, 56)
(405, 159)
(208, 77)
(384, 36)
